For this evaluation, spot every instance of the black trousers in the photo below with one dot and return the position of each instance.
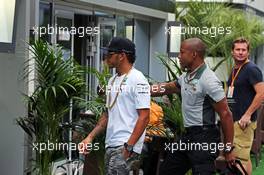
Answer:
(196, 149)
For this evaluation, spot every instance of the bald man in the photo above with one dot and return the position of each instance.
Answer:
(202, 95)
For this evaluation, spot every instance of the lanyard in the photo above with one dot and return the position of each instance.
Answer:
(234, 76)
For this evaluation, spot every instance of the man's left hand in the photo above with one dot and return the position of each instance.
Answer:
(244, 121)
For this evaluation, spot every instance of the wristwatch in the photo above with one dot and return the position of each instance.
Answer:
(128, 147)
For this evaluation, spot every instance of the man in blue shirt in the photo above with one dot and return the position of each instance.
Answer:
(246, 91)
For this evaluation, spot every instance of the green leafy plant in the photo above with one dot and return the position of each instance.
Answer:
(172, 109)
(96, 104)
(224, 23)
(56, 82)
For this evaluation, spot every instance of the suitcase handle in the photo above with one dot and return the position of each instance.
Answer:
(236, 168)
(241, 166)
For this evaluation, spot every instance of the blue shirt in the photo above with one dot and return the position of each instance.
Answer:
(244, 91)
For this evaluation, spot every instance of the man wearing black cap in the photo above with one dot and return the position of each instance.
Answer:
(128, 103)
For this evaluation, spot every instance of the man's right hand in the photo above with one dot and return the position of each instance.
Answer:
(230, 158)
(86, 143)
(83, 145)
(161, 89)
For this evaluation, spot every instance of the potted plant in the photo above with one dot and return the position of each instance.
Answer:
(56, 82)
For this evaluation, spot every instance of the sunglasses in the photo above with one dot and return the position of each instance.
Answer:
(109, 54)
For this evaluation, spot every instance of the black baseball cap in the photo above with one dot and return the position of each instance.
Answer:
(118, 44)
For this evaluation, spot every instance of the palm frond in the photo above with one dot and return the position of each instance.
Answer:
(57, 81)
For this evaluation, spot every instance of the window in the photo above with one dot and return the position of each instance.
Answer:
(8, 25)
(45, 16)
(125, 27)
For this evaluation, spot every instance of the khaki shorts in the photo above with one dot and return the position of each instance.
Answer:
(243, 140)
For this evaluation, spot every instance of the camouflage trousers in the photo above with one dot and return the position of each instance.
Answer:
(115, 163)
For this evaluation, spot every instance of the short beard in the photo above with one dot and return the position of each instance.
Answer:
(240, 61)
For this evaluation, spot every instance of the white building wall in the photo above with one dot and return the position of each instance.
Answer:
(158, 40)
(12, 105)
(257, 4)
